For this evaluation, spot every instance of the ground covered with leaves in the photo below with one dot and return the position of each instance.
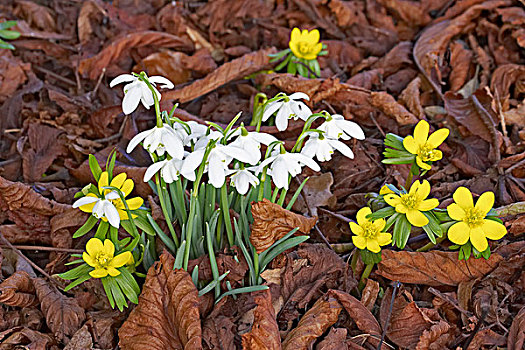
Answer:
(390, 63)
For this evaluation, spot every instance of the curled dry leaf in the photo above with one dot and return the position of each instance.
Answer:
(265, 331)
(433, 268)
(365, 321)
(18, 290)
(12, 75)
(439, 336)
(388, 105)
(410, 97)
(36, 15)
(63, 314)
(313, 324)
(335, 340)
(93, 66)
(167, 316)
(238, 68)
(486, 337)
(316, 193)
(516, 337)
(26, 338)
(271, 222)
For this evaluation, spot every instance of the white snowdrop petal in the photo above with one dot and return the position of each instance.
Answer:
(165, 83)
(131, 100)
(270, 109)
(153, 169)
(85, 200)
(112, 214)
(299, 95)
(121, 79)
(343, 148)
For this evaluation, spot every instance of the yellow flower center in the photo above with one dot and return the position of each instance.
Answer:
(426, 152)
(102, 259)
(474, 217)
(304, 47)
(410, 200)
(369, 230)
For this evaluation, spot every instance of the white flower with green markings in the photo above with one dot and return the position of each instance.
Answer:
(287, 107)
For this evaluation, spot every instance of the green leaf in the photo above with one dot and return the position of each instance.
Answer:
(242, 290)
(116, 292)
(129, 286)
(4, 45)
(111, 165)
(163, 237)
(102, 230)
(381, 213)
(9, 34)
(391, 220)
(401, 231)
(290, 243)
(95, 167)
(78, 271)
(369, 257)
(7, 24)
(179, 257)
(195, 275)
(76, 282)
(296, 194)
(107, 289)
(400, 160)
(88, 225)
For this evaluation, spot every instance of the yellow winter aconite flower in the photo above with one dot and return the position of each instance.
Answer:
(124, 185)
(369, 234)
(101, 256)
(305, 44)
(413, 203)
(472, 223)
(385, 190)
(424, 146)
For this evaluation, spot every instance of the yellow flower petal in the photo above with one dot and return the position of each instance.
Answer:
(118, 180)
(379, 224)
(410, 144)
(485, 202)
(438, 137)
(93, 246)
(113, 271)
(421, 132)
(456, 212)
(400, 208)
(420, 163)
(359, 242)
(373, 246)
(463, 198)
(88, 259)
(493, 229)
(423, 190)
(109, 247)
(123, 215)
(103, 181)
(309, 56)
(296, 35)
(459, 233)
(436, 155)
(478, 239)
(312, 37)
(134, 203)
(127, 187)
(361, 215)
(384, 238)
(416, 218)
(428, 204)
(392, 199)
(356, 229)
(88, 208)
(385, 190)
(415, 186)
(121, 259)
(98, 273)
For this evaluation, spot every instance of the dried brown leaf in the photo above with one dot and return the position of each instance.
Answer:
(439, 336)
(369, 294)
(335, 340)
(36, 15)
(504, 77)
(460, 62)
(265, 331)
(486, 337)
(410, 97)
(271, 222)
(18, 290)
(316, 193)
(93, 66)
(25, 338)
(433, 268)
(238, 68)
(365, 321)
(81, 340)
(516, 337)
(63, 315)
(313, 324)
(388, 105)
(167, 316)
(12, 75)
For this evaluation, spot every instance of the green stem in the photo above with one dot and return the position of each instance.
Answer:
(144, 78)
(189, 231)
(226, 214)
(432, 245)
(282, 196)
(353, 262)
(408, 183)
(365, 275)
(261, 186)
(182, 202)
(256, 267)
(160, 193)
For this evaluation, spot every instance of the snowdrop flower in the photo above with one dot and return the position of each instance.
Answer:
(159, 140)
(323, 147)
(337, 127)
(197, 131)
(251, 142)
(101, 208)
(217, 163)
(284, 164)
(242, 179)
(138, 91)
(287, 107)
(170, 170)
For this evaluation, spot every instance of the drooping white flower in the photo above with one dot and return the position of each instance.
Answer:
(287, 107)
(323, 147)
(159, 140)
(103, 208)
(241, 179)
(197, 131)
(251, 142)
(339, 128)
(217, 163)
(138, 91)
(170, 170)
(284, 164)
